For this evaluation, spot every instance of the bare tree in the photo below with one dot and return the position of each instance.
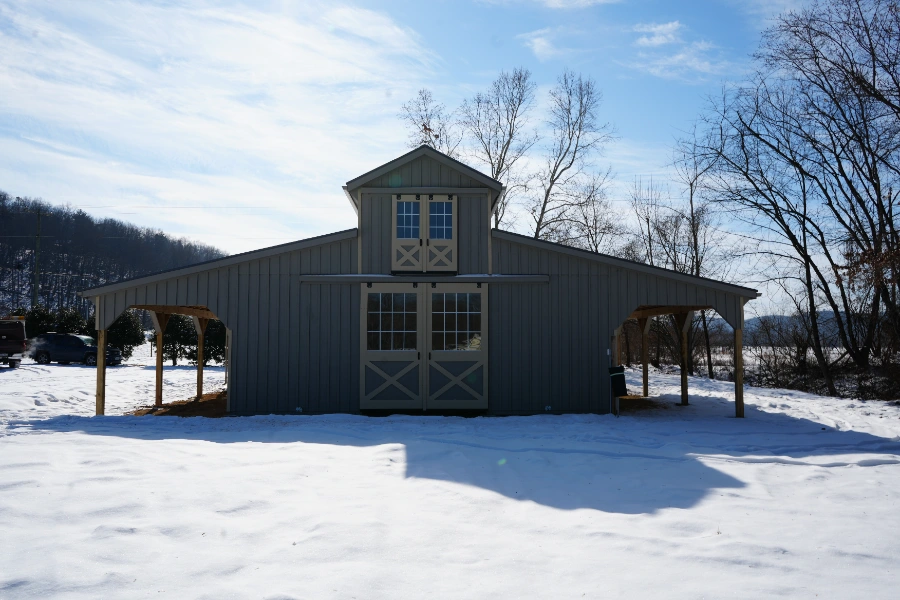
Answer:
(576, 136)
(808, 153)
(496, 121)
(596, 226)
(692, 168)
(646, 203)
(429, 124)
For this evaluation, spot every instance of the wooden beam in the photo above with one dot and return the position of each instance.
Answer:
(739, 373)
(644, 325)
(683, 324)
(160, 320)
(101, 372)
(191, 311)
(657, 311)
(200, 325)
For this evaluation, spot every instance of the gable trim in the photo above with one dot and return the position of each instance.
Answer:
(622, 263)
(219, 263)
(431, 153)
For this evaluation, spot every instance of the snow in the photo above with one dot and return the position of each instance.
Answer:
(798, 500)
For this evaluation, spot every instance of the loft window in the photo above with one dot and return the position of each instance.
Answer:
(391, 321)
(407, 220)
(440, 215)
(425, 232)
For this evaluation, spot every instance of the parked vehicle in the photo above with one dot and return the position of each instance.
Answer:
(66, 348)
(12, 341)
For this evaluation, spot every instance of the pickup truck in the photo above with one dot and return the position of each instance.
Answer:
(12, 341)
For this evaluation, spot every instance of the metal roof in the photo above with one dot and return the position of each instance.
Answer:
(221, 262)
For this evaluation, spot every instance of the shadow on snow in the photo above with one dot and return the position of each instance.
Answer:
(630, 465)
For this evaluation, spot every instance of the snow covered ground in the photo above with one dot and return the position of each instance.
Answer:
(798, 500)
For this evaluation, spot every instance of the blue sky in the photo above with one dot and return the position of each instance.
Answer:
(236, 123)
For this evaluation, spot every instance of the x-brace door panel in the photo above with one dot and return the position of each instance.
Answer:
(457, 374)
(409, 227)
(424, 346)
(392, 375)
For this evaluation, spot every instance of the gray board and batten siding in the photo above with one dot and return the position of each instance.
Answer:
(549, 343)
(292, 345)
(294, 313)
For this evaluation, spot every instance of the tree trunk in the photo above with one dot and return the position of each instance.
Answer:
(709, 363)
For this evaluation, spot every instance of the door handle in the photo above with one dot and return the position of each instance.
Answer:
(429, 356)
(419, 356)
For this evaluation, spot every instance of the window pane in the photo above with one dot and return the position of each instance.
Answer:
(475, 303)
(450, 322)
(449, 303)
(475, 322)
(409, 341)
(391, 321)
(440, 220)
(372, 341)
(407, 220)
(437, 322)
(437, 341)
(410, 303)
(437, 302)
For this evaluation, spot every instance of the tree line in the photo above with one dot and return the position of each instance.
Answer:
(791, 173)
(72, 251)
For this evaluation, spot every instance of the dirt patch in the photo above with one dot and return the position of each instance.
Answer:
(209, 405)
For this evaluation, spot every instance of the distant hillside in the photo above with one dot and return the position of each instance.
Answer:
(78, 251)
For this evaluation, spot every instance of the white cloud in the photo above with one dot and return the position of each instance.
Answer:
(542, 45)
(694, 61)
(658, 34)
(139, 105)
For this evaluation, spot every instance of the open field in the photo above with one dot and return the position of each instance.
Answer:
(798, 500)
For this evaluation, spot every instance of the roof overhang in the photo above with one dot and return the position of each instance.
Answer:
(354, 184)
(738, 290)
(218, 263)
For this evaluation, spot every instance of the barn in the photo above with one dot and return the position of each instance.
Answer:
(422, 307)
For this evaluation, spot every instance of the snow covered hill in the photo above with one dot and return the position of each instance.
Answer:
(798, 500)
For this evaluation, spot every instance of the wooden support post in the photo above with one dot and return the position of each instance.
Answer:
(644, 325)
(101, 372)
(200, 325)
(159, 324)
(683, 324)
(739, 373)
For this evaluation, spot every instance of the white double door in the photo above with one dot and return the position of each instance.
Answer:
(424, 346)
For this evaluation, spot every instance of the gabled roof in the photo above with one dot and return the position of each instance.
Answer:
(623, 263)
(225, 261)
(431, 153)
